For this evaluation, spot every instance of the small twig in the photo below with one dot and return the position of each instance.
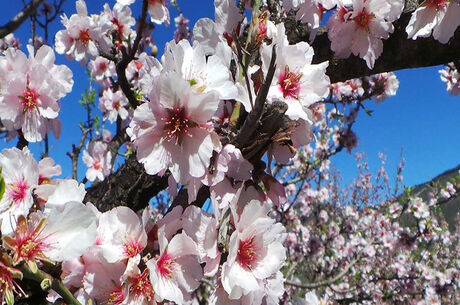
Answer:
(244, 67)
(74, 155)
(17, 20)
(128, 57)
(329, 282)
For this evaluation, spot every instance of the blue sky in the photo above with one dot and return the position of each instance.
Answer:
(422, 119)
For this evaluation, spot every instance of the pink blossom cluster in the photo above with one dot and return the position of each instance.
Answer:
(30, 90)
(451, 77)
(239, 123)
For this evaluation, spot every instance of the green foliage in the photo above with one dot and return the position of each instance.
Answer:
(2, 185)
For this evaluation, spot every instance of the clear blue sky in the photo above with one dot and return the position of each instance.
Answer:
(423, 119)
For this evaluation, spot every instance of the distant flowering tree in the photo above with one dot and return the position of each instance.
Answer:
(226, 193)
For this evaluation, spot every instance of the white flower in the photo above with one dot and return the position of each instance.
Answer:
(297, 82)
(158, 12)
(438, 16)
(177, 271)
(209, 33)
(101, 68)
(359, 29)
(98, 160)
(120, 234)
(20, 173)
(30, 90)
(172, 131)
(255, 251)
(62, 234)
(203, 74)
(202, 228)
(113, 105)
(82, 35)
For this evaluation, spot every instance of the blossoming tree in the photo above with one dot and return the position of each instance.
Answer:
(241, 114)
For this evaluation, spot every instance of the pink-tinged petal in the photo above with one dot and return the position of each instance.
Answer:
(182, 245)
(70, 230)
(189, 276)
(272, 262)
(236, 274)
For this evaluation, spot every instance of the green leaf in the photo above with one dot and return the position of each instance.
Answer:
(2, 185)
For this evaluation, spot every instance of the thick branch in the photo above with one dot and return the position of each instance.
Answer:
(399, 52)
(129, 186)
(17, 20)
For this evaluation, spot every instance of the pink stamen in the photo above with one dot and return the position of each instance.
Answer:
(289, 83)
(247, 253)
(166, 265)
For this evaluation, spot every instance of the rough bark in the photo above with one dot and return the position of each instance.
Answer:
(129, 186)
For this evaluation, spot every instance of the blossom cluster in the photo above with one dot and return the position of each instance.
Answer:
(234, 116)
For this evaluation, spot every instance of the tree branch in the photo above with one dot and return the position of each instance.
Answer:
(129, 186)
(43, 277)
(17, 20)
(328, 282)
(399, 52)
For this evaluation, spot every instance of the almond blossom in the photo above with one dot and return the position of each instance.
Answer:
(202, 228)
(203, 73)
(177, 271)
(82, 35)
(296, 82)
(437, 16)
(62, 234)
(31, 89)
(8, 284)
(158, 11)
(209, 33)
(20, 173)
(120, 234)
(101, 68)
(255, 251)
(122, 22)
(309, 11)
(360, 28)
(451, 77)
(102, 280)
(113, 104)
(98, 160)
(172, 130)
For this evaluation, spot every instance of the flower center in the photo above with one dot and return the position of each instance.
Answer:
(247, 253)
(177, 125)
(289, 83)
(116, 105)
(141, 286)
(166, 265)
(437, 4)
(132, 248)
(27, 243)
(7, 283)
(363, 19)
(102, 66)
(84, 37)
(18, 191)
(29, 99)
(97, 165)
(117, 296)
